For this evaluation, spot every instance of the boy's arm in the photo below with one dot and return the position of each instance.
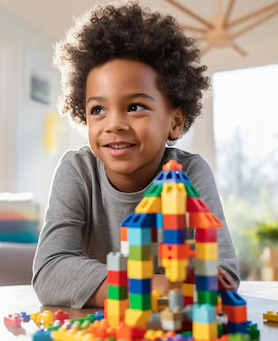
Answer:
(62, 275)
(203, 180)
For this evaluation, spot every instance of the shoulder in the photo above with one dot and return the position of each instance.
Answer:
(81, 161)
(190, 162)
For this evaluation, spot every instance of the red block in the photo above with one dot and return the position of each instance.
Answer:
(12, 320)
(188, 300)
(154, 235)
(61, 315)
(117, 277)
(195, 204)
(190, 275)
(203, 235)
(174, 221)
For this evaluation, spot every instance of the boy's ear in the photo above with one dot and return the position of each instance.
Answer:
(177, 124)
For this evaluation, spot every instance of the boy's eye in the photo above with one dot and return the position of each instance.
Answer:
(136, 107)
(97, 111)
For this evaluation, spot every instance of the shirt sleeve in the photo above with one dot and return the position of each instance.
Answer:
(62, 275)
(203, 180)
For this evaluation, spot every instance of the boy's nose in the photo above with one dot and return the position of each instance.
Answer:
(115, 124)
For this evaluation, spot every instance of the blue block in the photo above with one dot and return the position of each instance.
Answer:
(138, 236)
(159, 220)
(172, 176)
(144, 220)
(25, 317)
(140, 286)
(99, 315)
(174, 236)
(204, 313)
(237, 328)
(232, 298)
(42, 335)
(207, 283)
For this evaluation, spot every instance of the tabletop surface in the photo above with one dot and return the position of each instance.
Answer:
(260, 297)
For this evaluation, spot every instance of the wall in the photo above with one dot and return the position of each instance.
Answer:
(25, 164)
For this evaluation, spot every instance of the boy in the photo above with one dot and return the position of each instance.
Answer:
(133, 78)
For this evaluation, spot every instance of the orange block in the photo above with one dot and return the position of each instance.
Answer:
(124, 234)
(174, 221)
(237, 314)
(204, 220)
(174, 251)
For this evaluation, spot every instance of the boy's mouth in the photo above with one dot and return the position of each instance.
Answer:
(119, 146)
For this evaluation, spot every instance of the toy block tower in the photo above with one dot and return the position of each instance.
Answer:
(140, 265)
(117, 302)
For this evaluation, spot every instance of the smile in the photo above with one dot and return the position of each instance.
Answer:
(119, 146)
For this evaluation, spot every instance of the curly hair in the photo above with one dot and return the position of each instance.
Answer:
(130, 32)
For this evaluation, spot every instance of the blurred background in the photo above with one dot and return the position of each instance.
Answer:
(237, 134)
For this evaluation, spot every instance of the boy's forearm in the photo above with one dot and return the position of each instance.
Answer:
(99, 296)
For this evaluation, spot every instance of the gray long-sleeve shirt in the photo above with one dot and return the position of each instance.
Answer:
(82, 225)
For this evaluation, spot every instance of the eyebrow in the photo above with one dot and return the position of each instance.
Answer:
(132, 96)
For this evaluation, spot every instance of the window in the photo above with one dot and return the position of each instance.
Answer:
(245, 111)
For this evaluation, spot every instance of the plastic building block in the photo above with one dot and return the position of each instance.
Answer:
(137, 318)
(140, 286)
(140, 301)
(236, 314)
(125, 248)
(171, 176)
(154, 191)
(232, 298)
(204, 313)
(206, 235)
(172, 236)
(117, 277)
(47, 318)
(149, 205)
(138, 236)
(173, 199)
(175, 299)
(24, 317)
(174, 221)
(271, 316)
(204, 331)
(142, 220)
(206, 251)
(196, 205)
(12, 320)
(116, 261)
(204, 220)
(117, 292)
(208, 268)
(171, 319)
(140, 252)
(124, 234)
(42, 335)
(140, 269)
(206, 283)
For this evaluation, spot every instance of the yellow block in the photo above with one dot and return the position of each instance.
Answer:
(173, 197)
(188, 289)
(149, 205)
(137, 318)
(206, 251)
(204, 332)
(175, 270)
(140, 269)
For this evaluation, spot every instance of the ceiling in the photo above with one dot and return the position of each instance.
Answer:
(56, 16)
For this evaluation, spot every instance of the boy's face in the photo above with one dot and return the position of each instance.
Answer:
(129, 121)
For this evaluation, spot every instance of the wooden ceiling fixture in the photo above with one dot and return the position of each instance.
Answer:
(221, 31)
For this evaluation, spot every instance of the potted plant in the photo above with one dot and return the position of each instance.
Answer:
(267, 235)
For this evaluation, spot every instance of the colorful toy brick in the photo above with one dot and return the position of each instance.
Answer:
(12, 320)
(271, 316)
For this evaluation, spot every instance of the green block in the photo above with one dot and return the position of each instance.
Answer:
(117, 292)
(154, 191)
(140, 302)
(253, 332)
(209, 297)
(138, 252)
(238, 337)
(192, 191)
